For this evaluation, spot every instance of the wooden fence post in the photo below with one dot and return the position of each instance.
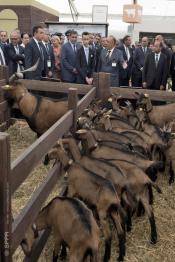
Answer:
(72, 104)
(5, 199)
(96, 82)
(103, 88)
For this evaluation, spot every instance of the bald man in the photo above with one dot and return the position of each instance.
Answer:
(110, 60)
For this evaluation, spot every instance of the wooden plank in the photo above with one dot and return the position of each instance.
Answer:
(156, 95)
(85, 101)
(41, 241)
(3, 106)
(38, 246)
(2, 83)
(60, 87)
(5, 199)
(24, 164)
(104, 82)
(30, 211)
(72, 104)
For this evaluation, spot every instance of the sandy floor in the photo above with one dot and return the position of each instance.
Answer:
(138, 248)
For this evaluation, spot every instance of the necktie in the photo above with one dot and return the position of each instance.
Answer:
(2, 60)
(144, 50)
(41, 50)
(157, 60)
(108, 55)
(74, 48)
(47, 48)
(17, 50)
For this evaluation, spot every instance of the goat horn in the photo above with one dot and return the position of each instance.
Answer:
(33, 68)
(13, 78)
(146, 95)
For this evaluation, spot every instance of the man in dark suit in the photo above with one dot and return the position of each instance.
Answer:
(155, 69)
(34, 50)
(127, 51)
(68, 59)
(138, 62)
(14, 54)
(49, 58)
(110, 60)
(85, 61)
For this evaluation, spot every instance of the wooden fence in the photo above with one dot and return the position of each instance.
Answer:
(12, 175)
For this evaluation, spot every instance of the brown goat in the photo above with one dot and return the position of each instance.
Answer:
(110, 152)
(158, 115)
(132, 177)
(72, 223)
(40, 113)
(98, 192)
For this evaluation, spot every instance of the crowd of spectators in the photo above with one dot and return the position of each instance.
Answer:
(74, 59)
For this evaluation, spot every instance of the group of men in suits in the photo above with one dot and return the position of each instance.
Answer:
(143, 66)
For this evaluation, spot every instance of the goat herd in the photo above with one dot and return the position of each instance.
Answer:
(111, 163)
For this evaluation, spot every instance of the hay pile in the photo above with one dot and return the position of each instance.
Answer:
(138, 248)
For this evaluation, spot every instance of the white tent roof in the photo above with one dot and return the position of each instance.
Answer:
(150, 7)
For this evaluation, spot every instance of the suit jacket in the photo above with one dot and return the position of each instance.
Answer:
(151, 74)
(139, 58)
(32, 54)
(68, 63)
(126, 73)
(111, 65)
(172, 67)
(49, 53)
(84, 69)
(13, 58)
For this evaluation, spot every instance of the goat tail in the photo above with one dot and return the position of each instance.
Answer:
(128, 196)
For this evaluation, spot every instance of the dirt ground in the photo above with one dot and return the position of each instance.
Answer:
(138, 248)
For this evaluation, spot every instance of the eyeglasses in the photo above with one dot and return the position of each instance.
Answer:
(14, 38)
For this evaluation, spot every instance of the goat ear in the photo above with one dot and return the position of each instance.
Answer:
(137, 93)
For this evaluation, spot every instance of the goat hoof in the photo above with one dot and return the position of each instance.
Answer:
(129, 228)
(153, 240)
(120, 259)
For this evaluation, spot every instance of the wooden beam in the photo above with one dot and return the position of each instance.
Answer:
(104, 82)
(25, 163)
(156, 95)
(60, 87)
(72, 104)
(3, 106)
(85, 101)
(5, 199)
(31, 210)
